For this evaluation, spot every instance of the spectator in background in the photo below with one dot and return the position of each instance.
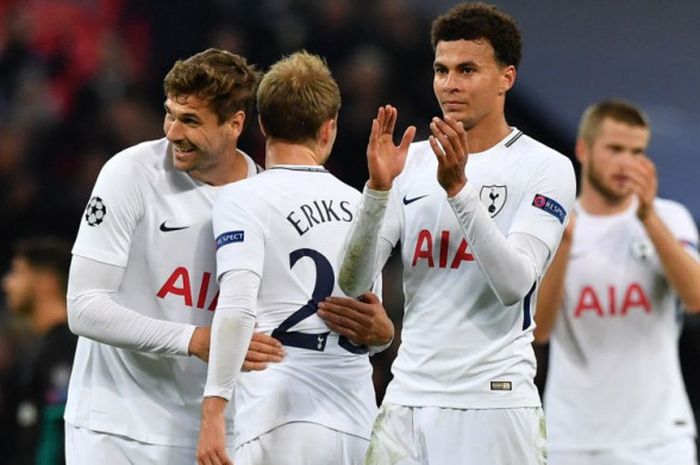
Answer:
(614, 393)
(35, 288)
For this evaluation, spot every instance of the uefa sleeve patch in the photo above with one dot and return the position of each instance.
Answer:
(550, 206)
(229, 238)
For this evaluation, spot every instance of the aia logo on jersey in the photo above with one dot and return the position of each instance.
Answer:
(493, 198)
(613, 301)
(550, 206)
(430, 251)
(179, 284)
(229, 238)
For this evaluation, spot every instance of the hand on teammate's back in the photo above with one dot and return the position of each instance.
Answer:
(263, 349)
(363, 321)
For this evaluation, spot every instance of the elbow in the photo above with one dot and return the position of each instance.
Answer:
(73, 313)
(541, 335)
(511, 296)
(692, 305)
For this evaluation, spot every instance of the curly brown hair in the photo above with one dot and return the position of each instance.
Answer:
(471, 21)
(224, 79)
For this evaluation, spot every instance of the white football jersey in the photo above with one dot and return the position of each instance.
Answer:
(288, 225)
(154, 221)
(614, 374)
(460, 346)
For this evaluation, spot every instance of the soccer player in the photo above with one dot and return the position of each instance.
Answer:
(279, 237)
(614, 393)
(479, 209)
(35, 287)
(142, 289)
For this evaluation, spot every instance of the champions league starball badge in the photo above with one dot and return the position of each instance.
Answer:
(95, 212)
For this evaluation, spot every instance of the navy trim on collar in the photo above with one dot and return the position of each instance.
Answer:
(513, 139)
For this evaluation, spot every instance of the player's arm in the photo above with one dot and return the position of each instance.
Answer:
(682, 268)
(511, 264)
(551, 293)
(232, 330)
(93, 313)
(365, 253)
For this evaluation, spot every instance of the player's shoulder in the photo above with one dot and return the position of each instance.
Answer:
(523, 145)
(670, 209)
(148, 156)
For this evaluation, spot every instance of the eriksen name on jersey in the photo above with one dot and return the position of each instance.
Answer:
(306, 216)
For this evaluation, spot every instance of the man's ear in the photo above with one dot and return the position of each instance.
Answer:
(328, 131)
(262, 128)
(581, 150)
(236, 122)
(507, 79)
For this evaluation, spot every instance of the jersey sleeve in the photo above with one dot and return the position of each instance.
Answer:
(240, 241)
(391, 224)
(544, 209)
(679, 220)
(112, 213)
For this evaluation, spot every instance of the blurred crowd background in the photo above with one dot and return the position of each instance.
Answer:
(82, 79)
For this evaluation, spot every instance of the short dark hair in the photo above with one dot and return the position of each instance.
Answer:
(222, 78)
(47, 254)
(617, 110)
(471, 21)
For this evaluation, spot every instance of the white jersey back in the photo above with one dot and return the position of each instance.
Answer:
(461, 347)
(156, 222)
(289, 225)
(614, 375)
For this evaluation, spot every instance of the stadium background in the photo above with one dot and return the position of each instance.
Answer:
(82, 79)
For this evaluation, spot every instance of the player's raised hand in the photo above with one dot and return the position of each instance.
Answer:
(449, 143)
(211, 448)
(384, 159)
(263, 349)
(363, 321)
(645, 184)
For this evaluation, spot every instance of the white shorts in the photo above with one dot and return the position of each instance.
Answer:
(679, 451)
(87, 447)
(303, 443)
(444, 436)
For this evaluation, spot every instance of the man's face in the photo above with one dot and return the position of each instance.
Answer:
(468, 82)
(17, 284)
(606, 163)
(199, 141)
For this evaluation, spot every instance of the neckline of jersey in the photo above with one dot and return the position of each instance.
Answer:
(629, 211)
(305, 168)
(507, 142)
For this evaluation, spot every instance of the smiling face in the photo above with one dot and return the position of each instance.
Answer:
(199, 141)
(470, 85)
(606, 161)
